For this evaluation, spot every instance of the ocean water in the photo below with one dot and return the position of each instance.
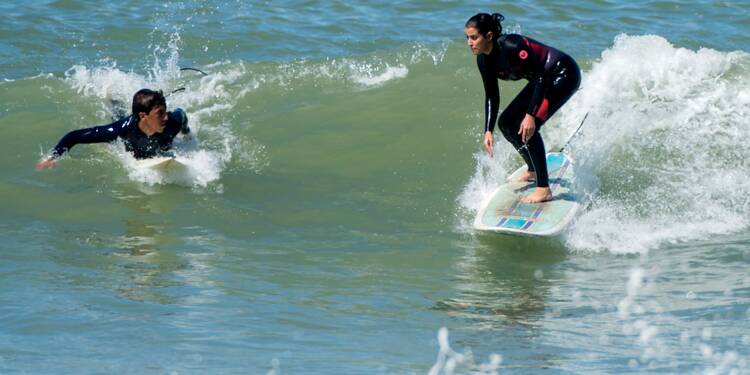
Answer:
(324, 223)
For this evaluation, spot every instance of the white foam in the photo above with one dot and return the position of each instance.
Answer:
(203, 167)
(390, 73)
(653, 330)
(105, 82)
(668, 143)
(365, 72)
(489, 173)
(450, 362)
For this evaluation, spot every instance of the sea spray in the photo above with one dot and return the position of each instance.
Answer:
(665, 144)
(450, 362)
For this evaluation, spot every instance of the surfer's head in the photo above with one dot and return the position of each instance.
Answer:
(145, 100)
(482, 30)
(150, 108)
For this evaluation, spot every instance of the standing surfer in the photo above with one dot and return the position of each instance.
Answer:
(552, 77)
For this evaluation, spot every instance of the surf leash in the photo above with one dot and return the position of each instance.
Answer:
(195, 70)
(184, 69)
(574, 133)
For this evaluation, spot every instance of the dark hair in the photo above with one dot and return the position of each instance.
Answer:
(485, 23)
(145, 100)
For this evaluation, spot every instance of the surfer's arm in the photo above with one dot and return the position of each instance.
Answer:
(181, 118)
(524, 55)
(540, 78)
(528, 124)
(97, 134)
(491, 95)
(537, 97)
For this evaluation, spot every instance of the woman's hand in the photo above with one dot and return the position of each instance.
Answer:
(528, 126)
(488, 141)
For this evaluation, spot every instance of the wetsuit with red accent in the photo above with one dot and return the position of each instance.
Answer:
(553, 78)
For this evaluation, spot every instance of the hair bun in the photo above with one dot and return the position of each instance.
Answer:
(498, 17)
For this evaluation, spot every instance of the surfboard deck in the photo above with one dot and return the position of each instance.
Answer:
(504, 213)
(162, 163)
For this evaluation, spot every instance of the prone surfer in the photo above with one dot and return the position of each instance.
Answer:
(552, 77)
(147, 132)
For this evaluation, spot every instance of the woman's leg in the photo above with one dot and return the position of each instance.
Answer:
(532, 152)
(564, 83)
(510, 121)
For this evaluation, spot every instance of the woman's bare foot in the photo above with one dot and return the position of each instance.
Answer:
(526, 176)
(540, 194)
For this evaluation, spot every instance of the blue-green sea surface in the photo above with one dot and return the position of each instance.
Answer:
(324, 225)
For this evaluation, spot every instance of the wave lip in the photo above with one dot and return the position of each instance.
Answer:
(668, 145)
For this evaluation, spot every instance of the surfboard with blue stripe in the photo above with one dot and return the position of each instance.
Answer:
(503, 212)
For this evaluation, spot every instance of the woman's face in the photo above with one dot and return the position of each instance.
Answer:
(478, 42)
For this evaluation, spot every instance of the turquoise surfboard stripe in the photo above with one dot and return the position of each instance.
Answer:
(505, 213)
(532, 211)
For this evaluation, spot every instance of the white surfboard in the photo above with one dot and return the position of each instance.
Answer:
(162, 163)
(504, 213)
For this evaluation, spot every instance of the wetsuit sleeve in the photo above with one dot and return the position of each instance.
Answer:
(527, 55)
(537, 97)
(181, 118)
(97, 134)
(491, 94)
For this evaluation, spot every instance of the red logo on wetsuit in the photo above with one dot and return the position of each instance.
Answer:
(523, 55)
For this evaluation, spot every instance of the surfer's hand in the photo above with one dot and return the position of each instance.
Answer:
(488, 142)
(528, 126)
(45, 164)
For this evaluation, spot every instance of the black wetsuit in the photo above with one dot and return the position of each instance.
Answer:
(126, 128)
(553, 78)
